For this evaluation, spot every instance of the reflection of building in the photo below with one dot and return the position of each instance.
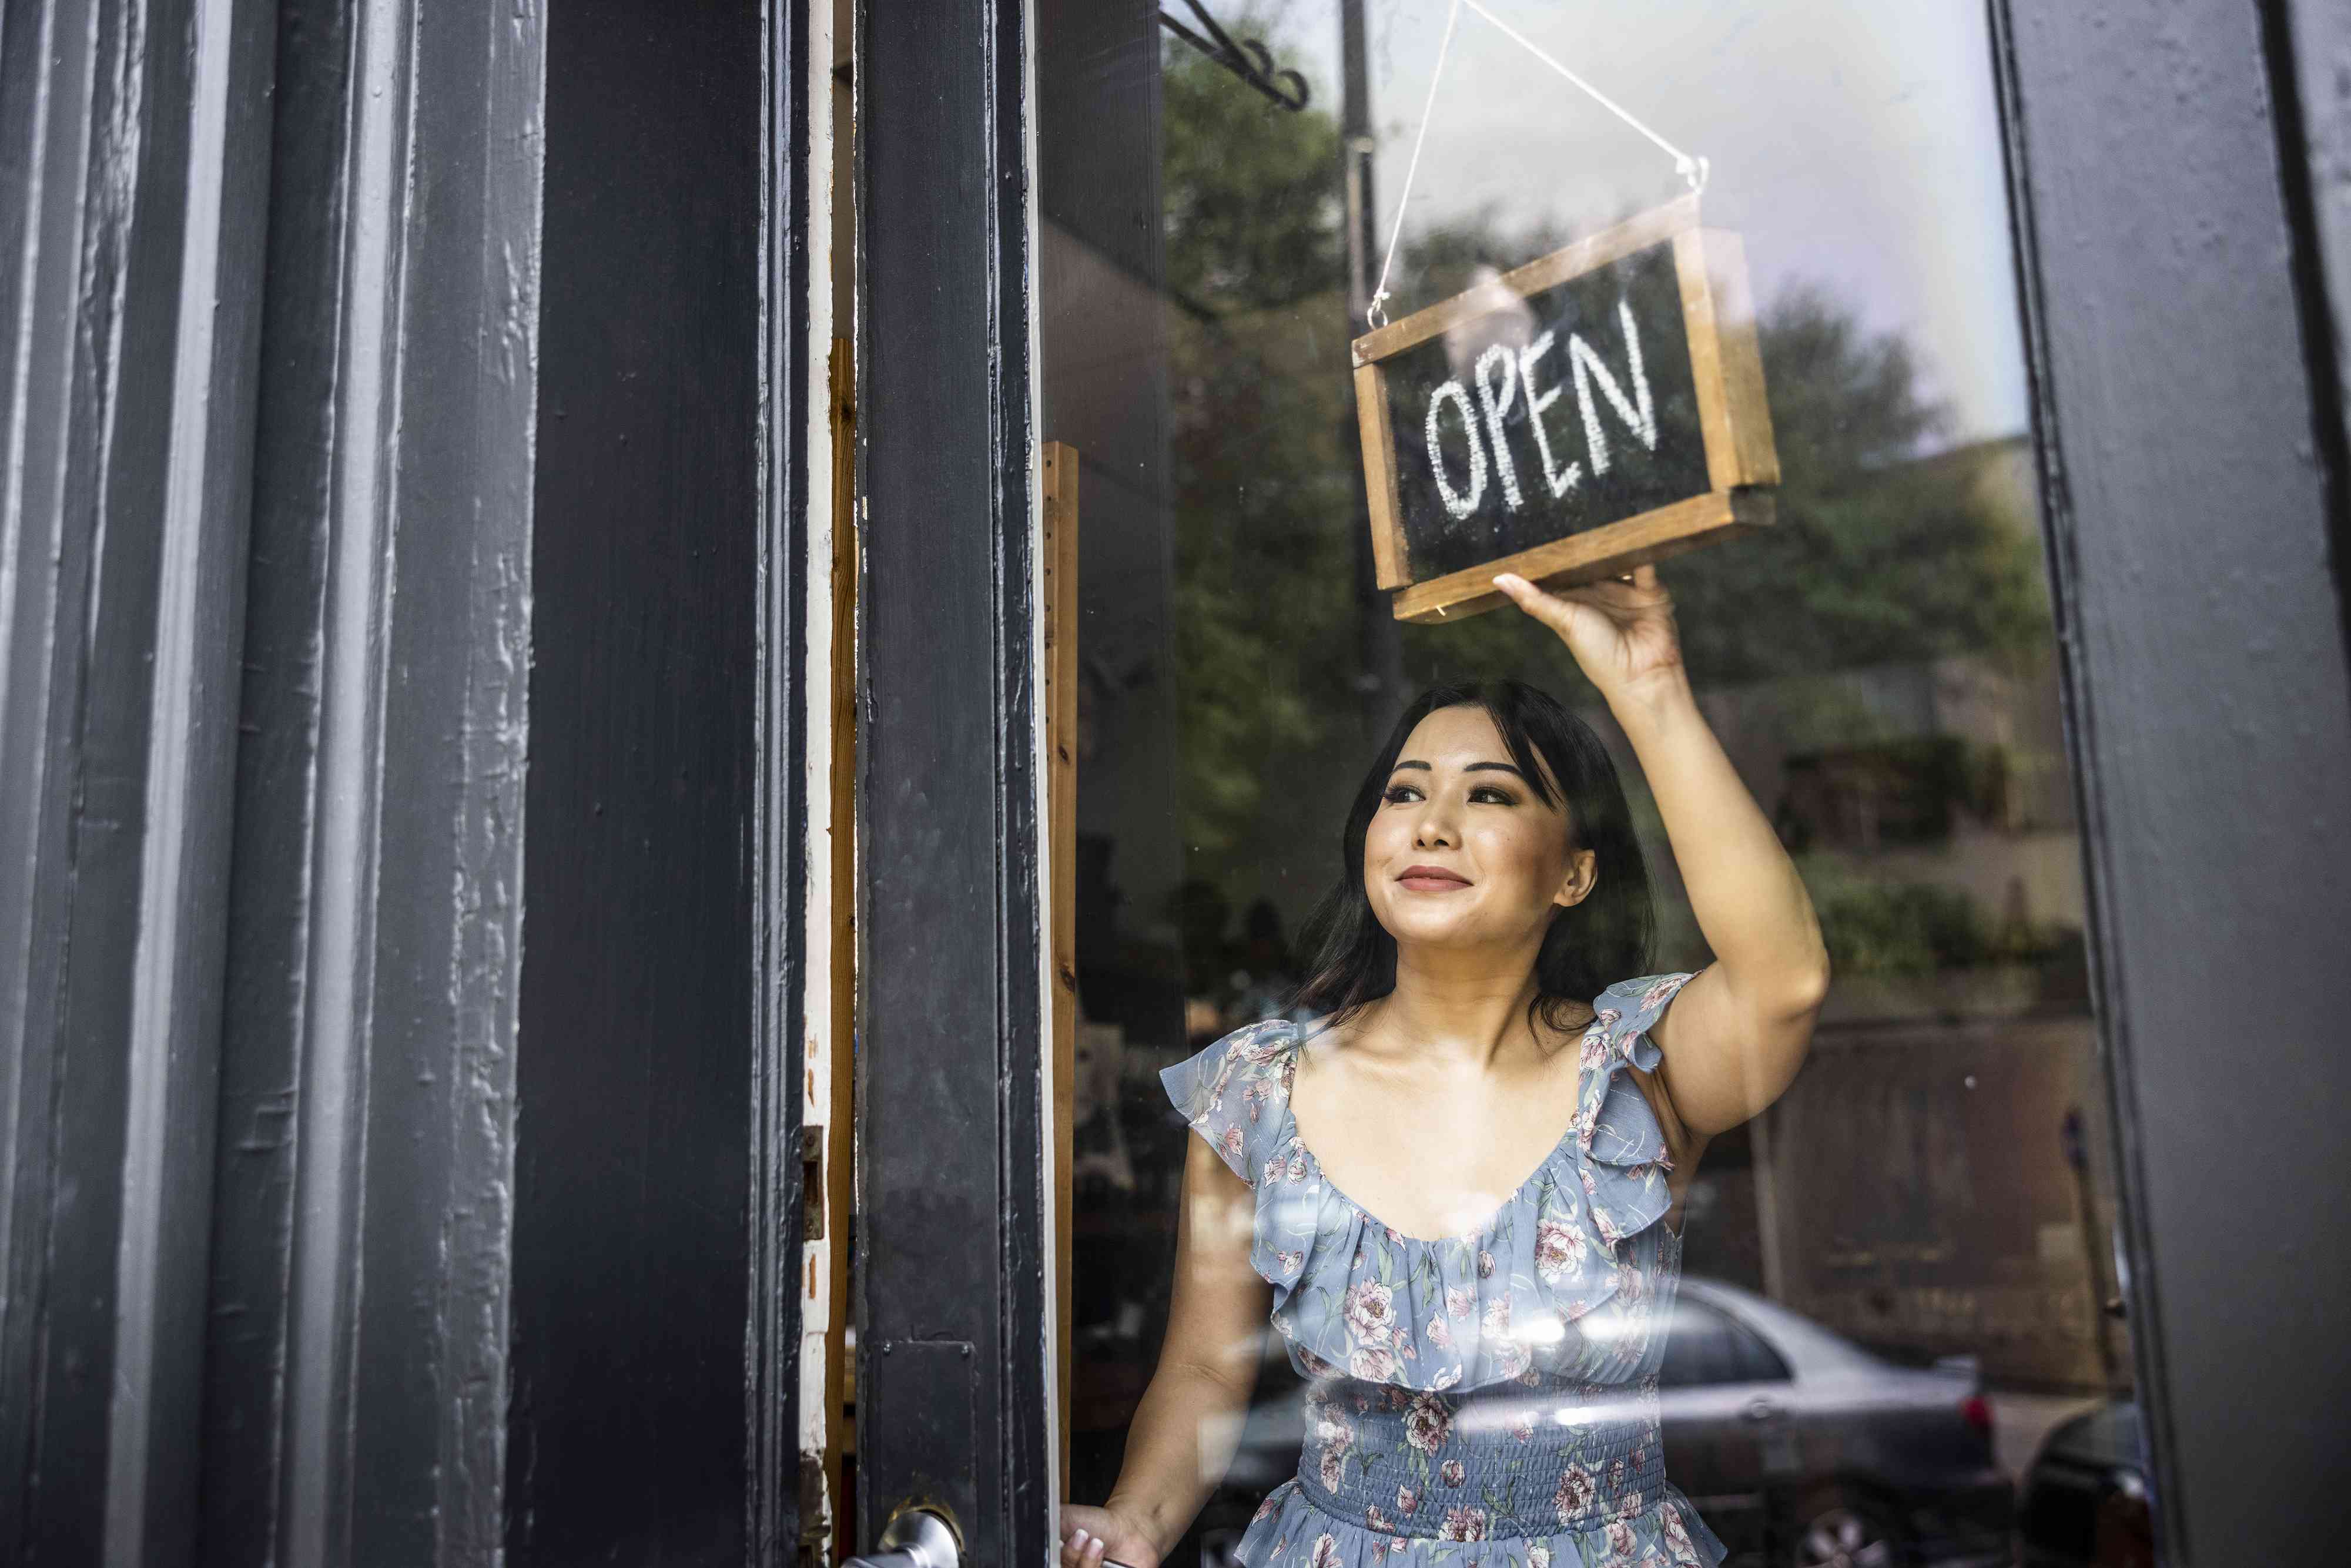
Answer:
(1913, 1189)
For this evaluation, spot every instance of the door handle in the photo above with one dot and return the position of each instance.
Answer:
(1761, 1409)
(914, 1538)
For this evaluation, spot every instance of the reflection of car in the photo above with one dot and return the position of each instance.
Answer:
(2086, 1502)
(1798, 1447)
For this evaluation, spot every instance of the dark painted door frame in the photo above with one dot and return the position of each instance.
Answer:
(268, 269)
(951, 1298)
(2191, 438)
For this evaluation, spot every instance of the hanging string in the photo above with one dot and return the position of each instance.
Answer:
(1376, 313)
(1691, 168)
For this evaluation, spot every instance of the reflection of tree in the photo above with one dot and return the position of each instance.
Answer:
(1261, 482)
(1878, 558)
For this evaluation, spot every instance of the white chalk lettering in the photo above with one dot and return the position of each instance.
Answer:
(1497, 394)
(1461, 505)
(1561, 480)
(1638, 411)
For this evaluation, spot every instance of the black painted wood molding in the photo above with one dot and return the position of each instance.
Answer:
(952, 1297)
(2209, 711)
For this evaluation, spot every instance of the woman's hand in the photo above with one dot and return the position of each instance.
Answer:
(1621, 632)
(1092, 1537)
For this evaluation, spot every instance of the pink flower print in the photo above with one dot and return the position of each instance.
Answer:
(1538, 1557)
(1440, 1333)
(1594, 1051)
(1407, 1499)
(1451, 1473)
(1574, 1497)
(1522, 1429)
(1678, 1537)
(1315, 1365)
(1231, 1142)
(1426, 1424)
(1265, 1510)
(1559, 1247)
(1404, 1348)
(1253, 1101)
(1371, 1364)
(1498, 1317)
(1362, 1403)
(1296, 1169)
(1376, 1520)
(1460, 1301)
(1446, 1379)
(1616, 1475)
(1620, 1544)
(1333, 1467)
(1660, 991)
(1485, 1265)
(1326, 1551)
(1605, 1020)
(1369, 1309)
(1380, 1550)
(1463, 1525)
(1289, 1263)
(1261, 1047)
(1513, 1360)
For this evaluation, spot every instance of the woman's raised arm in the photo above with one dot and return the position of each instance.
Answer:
(1734, 1037)
(1190, 1417)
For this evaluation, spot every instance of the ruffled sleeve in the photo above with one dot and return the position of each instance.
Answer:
(1623, 1148)
(1234, 1092)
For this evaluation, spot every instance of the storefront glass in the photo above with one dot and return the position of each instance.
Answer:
(1924, 1224)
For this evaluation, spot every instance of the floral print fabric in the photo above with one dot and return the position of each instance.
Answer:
(1485, 1397)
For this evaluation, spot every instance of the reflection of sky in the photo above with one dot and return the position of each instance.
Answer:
(1854, 144)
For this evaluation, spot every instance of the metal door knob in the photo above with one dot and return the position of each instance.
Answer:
(914, 1538)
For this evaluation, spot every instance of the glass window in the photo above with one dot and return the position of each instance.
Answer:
(1877, 663)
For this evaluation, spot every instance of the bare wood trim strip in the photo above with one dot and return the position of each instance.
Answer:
(1756, 452)
(1608, 551)
(1390, 553)
(1611, 245)
(1706, 359)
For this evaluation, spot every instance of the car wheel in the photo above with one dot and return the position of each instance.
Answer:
(1836, 1533)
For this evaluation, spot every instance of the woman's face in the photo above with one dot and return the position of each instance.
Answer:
(1462, 852)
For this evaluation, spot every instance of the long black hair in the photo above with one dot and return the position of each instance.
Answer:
(1590, 945)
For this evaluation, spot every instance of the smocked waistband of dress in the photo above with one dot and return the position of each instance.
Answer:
(1574, 1496)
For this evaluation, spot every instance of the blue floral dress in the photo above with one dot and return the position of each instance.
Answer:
(1483, 1400)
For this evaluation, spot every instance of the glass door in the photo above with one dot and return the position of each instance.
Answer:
(1912, 1250)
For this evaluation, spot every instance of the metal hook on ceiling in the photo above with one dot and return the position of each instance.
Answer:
(1247, 59)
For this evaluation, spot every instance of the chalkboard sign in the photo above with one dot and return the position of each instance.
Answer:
(1598, 408)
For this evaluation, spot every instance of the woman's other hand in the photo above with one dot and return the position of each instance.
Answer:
(1092, 1537)
(1620, 631)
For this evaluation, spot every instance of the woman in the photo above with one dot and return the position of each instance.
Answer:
(1472, 1290)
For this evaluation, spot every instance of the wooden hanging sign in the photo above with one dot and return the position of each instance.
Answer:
(1594, 410)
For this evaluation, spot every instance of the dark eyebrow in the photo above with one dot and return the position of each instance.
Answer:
(1473, 767)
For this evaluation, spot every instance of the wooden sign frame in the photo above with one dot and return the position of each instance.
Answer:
(1734, 417)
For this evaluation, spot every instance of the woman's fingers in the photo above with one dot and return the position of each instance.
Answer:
(1548, 608)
